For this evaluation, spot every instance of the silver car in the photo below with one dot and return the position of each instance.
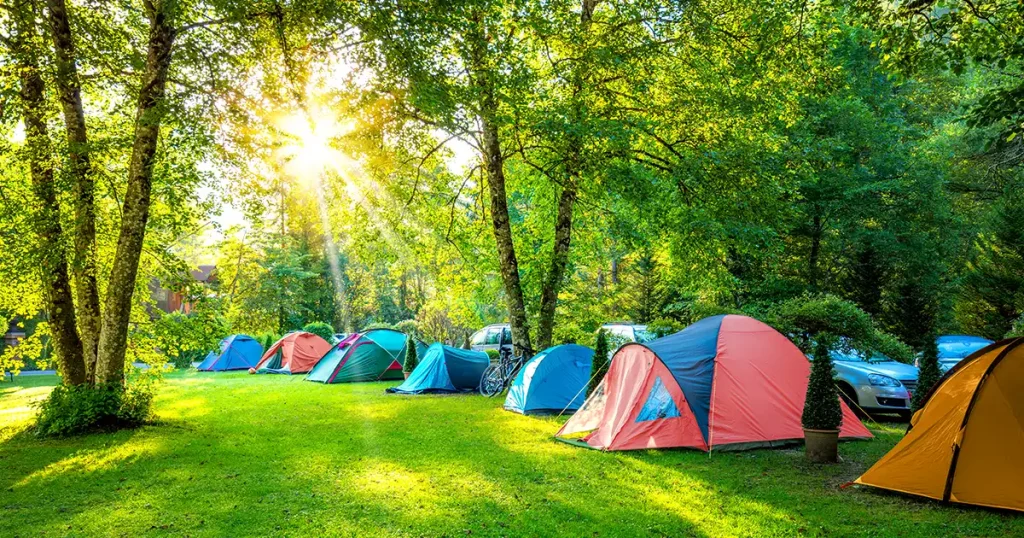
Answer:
(496, 336)
(875, 385)
(954, 348)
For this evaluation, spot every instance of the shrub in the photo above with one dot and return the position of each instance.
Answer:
(601, 361)
(409, 327)
(267, 339)
(822, 410)
(73, 410)
(378, 325)
(493, 354)
(929, 373)
(321, 329)
(802, 318)
(183, 337)
(411, 358)
(663, 327)
(185, 358)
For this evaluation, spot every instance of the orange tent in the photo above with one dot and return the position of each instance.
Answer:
(966, 444)
(296, 353)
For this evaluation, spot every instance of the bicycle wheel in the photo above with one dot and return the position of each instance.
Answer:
(491, 383)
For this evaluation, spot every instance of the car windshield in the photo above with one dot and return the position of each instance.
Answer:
(857, 356)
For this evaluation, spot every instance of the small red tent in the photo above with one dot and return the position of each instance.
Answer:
(296, 353)
(723, 382)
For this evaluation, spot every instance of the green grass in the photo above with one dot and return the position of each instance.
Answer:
(238, 455)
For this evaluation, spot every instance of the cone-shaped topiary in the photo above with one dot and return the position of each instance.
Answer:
(821, 408)
(929, 373)
(411, 360)
(601, 361)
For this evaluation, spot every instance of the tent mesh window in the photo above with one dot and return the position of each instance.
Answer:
(659, 404)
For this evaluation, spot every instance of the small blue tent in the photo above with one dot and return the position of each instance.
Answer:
(445, 369)
(237, 352)
(553, 381)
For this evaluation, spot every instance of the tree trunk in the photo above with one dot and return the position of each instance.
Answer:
(114, 332)
(559, 260)
(84, 262)
(494, 164)
(52, 260)
(563, 219)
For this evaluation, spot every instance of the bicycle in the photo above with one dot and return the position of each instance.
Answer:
(497, 377)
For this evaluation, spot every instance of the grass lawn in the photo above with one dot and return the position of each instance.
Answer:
(239, 455)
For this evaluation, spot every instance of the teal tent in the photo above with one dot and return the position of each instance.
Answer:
(445, 369)
(374, 355)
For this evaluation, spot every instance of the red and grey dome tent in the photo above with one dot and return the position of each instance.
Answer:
(295, 353)
(725, 382)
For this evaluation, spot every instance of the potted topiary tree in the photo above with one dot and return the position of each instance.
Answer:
(601, 360)
(411, 360)
(822, 414)
(929, 373)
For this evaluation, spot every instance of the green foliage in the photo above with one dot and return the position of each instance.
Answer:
(929, 373)
(663, 327)
(804, 318)
(822, 410)
(267, 339)
(321, 329)
(184, 338)
(378, 325)
(493, 354)
(411, 358)
(409, 327)
(602, 360)
(74, 410)
(32, 350)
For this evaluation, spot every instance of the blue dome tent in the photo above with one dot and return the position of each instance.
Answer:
(553, 381)
(445, 369)
(237, 352)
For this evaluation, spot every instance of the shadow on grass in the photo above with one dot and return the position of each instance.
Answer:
(270, 455)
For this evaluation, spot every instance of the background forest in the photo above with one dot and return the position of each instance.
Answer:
(555, 164)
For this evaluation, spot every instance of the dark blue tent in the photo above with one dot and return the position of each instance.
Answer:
(445, 369)
(555, 380)
(237, 352)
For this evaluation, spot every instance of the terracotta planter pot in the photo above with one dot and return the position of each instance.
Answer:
(406, 374)
(821, 446)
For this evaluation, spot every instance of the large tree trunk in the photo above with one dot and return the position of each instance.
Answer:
(556, 270)
(84, 262)
(494, 163)
(53, 267)
(117, 310)
(563, 219)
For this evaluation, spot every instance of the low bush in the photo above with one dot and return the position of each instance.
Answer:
(267, 339)
(74, 410)
(377, 325)
(321, 329)
(409, 327)
(805, 317)
(493, 354)
(663, 327)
